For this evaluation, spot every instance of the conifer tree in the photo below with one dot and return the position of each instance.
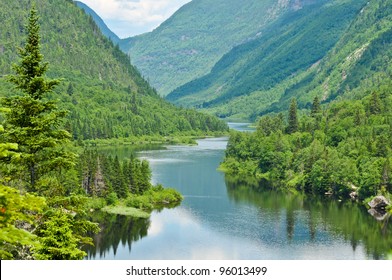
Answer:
(375, 103)
(31, 120)
(145, 176)
(118, 183)
(70, 89)
(316, 108)
(293, 118)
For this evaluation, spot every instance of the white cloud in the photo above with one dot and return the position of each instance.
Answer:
(130, 17)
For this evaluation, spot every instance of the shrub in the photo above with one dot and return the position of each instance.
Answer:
(112, 198)
(140, 202)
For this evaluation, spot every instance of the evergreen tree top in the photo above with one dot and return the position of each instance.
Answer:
(31, 68)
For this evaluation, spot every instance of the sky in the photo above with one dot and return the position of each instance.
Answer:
(132, 17)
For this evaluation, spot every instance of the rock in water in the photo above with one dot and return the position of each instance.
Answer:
(379, 215)
(379, 202)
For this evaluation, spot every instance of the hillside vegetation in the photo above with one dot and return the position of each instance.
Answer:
(46, 190)
(101, 24)
(105, 95)
(343, 150)
(358, 60)
(188, 44)
(267, 65)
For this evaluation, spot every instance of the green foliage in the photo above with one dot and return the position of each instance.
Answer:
(102, 174)
(57, 241)
(139, 202)
(338, 156)
(42, 162)
(101, 24)
(30, 120)
(293, 118)
(188, 44)
(30, 70)
(112, 198)
(154, 197)
(97, 203)
(316, 108)
(126, 211)
(18, 214)
(108, 98)
(271, 63)
(65, 229)
(356, 61)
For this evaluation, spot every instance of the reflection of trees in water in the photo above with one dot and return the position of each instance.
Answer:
(116, 229)
(347, 219)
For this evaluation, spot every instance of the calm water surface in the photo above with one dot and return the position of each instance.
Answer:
(221, 218)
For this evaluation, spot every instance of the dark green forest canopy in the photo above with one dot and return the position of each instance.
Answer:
(105, 95)
(44, 186)
(343, 149)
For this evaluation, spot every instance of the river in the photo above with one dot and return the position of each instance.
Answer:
(221, 218)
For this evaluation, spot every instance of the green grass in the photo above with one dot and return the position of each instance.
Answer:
(155, 139)
(140, 206)
(126, 211)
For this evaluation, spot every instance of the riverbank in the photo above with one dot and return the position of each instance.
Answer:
(223, 218)
(151, 139)
(137, 206)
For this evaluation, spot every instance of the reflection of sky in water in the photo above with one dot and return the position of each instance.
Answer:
(210, 225)
(178, 234)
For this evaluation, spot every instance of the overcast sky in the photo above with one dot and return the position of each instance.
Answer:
(131, 17)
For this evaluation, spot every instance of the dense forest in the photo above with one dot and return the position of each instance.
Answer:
(263, 75)
(47, 187)
(292, 43)
(105, 95)
(101, 24)
(193, 39)
(324, 119)
(342, 149)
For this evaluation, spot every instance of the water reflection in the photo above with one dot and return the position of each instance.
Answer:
(116, 230)
(241, 126)
(308, 219)
(225, 218)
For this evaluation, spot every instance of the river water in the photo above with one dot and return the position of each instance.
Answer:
(222, 218)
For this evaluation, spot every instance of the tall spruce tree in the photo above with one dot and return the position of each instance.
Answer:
(32, 121)
(293, 118)
(375, 104)
(316, 108)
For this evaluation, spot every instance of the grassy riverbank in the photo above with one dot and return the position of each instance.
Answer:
(189, 139)
(138, 206)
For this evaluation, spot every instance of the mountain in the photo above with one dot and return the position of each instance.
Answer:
(105, 95)
(293, 43)
(330, 49)
(101, 24)
(188, 44)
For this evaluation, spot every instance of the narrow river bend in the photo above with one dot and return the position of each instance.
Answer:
(220, 218)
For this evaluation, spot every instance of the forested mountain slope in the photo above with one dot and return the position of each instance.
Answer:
(101, 24)
(105, 94)
(252, 76)
(358, 61)
(188, 44)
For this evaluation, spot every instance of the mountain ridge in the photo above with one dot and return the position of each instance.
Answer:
(106, 31)
(188, 44)
(369, 20)
(105, 95)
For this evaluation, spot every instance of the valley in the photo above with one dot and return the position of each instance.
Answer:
(126, 148)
